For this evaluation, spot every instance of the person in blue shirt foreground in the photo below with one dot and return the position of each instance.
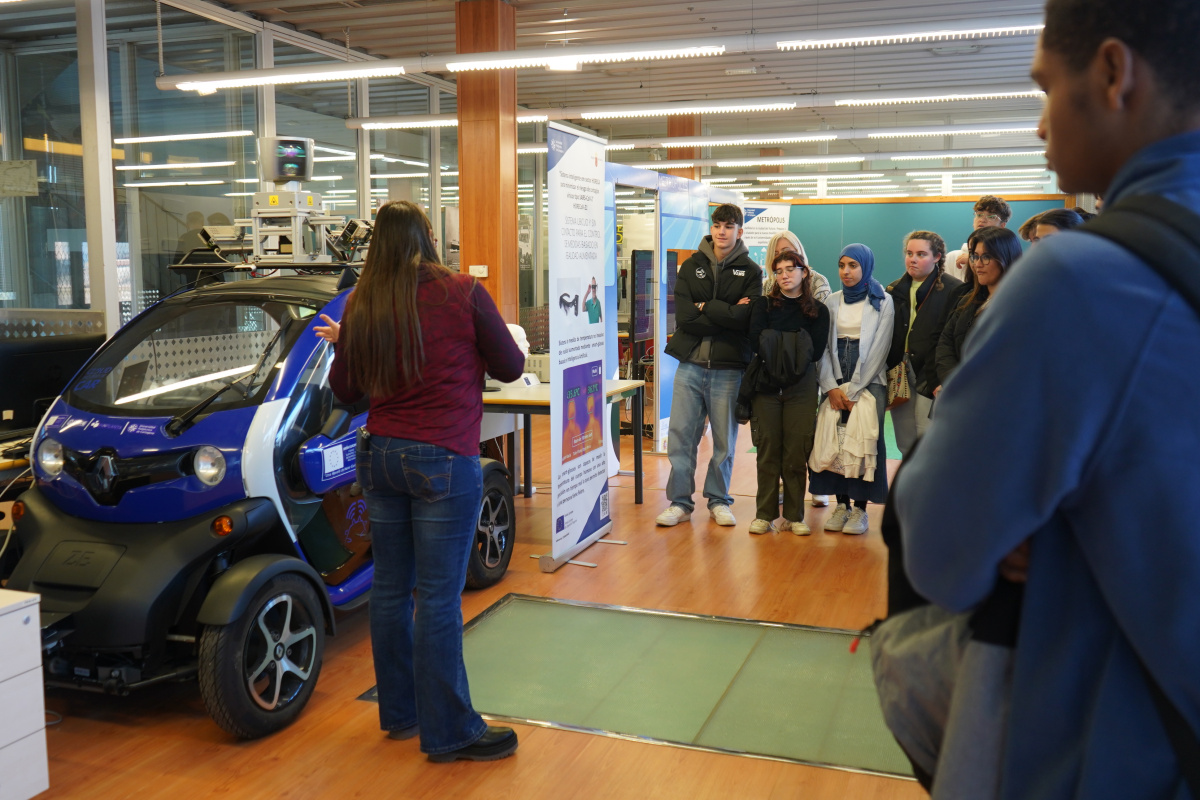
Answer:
(1064, 449)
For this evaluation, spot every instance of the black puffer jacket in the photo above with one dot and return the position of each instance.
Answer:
(936, 300)
(723, 323)
(954, 334)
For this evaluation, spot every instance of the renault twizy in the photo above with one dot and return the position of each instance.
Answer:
(194, 511)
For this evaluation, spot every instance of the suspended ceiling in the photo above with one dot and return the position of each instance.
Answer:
(409, 28)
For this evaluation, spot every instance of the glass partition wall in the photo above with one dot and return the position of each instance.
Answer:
(182, 160)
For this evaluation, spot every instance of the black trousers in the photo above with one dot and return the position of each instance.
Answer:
(781, 428)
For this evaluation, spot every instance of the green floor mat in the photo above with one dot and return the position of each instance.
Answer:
(763, 689)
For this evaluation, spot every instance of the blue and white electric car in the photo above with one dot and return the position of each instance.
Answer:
(194, 511)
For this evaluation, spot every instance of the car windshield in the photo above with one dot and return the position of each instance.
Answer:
(183, 351)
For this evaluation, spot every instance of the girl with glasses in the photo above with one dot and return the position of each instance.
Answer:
(783, 409)
(992, 252)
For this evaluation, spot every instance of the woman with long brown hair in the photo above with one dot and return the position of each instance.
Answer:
(789, 322)
(416, 339)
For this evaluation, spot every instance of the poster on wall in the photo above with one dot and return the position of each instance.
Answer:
(579, 460)
(764, 220)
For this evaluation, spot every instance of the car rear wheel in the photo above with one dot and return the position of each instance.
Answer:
(494, 531)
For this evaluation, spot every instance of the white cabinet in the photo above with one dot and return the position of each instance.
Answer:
(23, 765)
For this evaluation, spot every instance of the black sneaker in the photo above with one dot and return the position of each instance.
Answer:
(495, 744)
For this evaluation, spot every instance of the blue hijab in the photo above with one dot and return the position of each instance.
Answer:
(868, 286)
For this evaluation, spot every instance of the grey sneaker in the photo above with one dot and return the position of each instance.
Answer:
(837, 520)
(762, 526)
(673, 516)
(857, 522)
(800, 528)
(721, 513)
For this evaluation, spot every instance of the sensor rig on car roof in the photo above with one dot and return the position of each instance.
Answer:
(287, 228)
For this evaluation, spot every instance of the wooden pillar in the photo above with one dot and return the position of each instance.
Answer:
(487, 151)
(770, 152)
(684, 125)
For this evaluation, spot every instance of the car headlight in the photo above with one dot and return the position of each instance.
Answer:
(209, 465)
(50, 457)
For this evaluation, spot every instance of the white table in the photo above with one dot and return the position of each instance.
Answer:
(530, 400)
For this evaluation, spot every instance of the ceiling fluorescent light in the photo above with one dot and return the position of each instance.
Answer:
(939, 98)
(811, 177)
(664, 165)
(379, 176)
(170, 183)
(207, 83)
(413, 121)
(531, 149)
(935, 173)
(182, 137)
(619, 146)
(239, 194)
(855, 38)
(949, 131)
(246, 180)
(188, 165)
(337, 152)
(327, 177)
(424, 121)
(394, 160)
(861, 196)
(695, 107)
(960, 154)
(564, 56)
(727, 141)
(755, 162)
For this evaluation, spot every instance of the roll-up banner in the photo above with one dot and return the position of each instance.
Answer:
(763, 220)
(579, 458)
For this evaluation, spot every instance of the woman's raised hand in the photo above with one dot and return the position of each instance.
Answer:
(329, 331)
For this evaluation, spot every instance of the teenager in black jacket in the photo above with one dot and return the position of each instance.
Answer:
(712, 312)
(992, 252)
(784, 417)
(924, 297)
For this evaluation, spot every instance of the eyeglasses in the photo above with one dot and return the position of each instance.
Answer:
(985, 259)
(986, 217)
(789, 270)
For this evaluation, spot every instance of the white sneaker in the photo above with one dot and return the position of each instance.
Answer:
(801, 529)
(837, 520)
(819, 500)
(721, 513)
(762, 526)
(857, 522)
(673, 516)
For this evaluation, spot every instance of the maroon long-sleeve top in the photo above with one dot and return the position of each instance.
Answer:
(464, 337)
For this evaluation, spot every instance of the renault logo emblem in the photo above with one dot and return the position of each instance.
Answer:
(105, 473)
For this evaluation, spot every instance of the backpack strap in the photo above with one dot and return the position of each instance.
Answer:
(1161, 233)
(1166, 236)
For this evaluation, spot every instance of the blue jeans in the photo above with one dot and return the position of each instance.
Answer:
(423, 502)
(702, 393)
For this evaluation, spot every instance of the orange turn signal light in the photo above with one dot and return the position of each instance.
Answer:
(18, 511)
(222, 526)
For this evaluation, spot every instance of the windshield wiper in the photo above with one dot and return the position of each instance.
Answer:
(181, 422)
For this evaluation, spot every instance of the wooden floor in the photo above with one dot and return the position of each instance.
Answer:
(160, 743)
